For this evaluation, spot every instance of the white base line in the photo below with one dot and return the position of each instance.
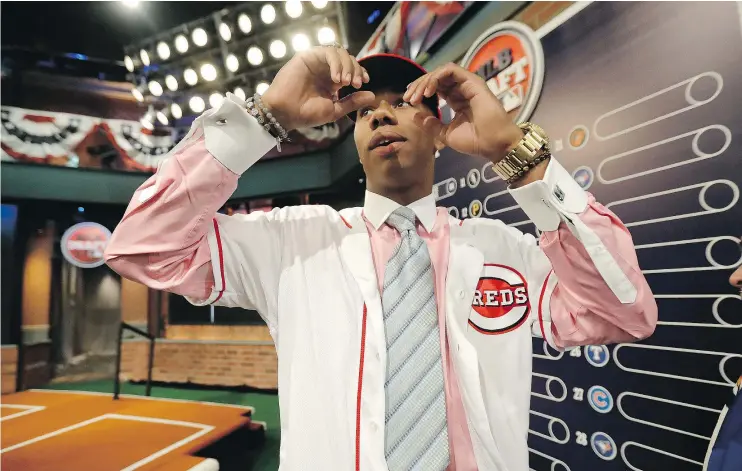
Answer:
(146, 398)
(561, 18)
(29, 410)
(204, 429)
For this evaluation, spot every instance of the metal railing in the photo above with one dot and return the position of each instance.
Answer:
(117, 380)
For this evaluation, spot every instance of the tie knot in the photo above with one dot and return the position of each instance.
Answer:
(402, 219)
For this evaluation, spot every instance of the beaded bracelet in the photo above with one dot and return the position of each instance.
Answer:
(260, 112)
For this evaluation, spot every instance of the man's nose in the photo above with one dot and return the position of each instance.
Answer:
(383, 116)
(736, 278)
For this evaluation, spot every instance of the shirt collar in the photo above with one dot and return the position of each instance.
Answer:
(377, 209)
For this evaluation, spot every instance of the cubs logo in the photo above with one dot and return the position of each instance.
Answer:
(500, 302)
(597, 355)
(600, 399)
(510, 59)
(83, 244)
(603, 445)
(583, 176)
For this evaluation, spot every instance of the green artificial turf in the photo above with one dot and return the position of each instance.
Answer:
(266, 409)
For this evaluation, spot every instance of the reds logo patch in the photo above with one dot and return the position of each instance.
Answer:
(500, 302)
(510, 59)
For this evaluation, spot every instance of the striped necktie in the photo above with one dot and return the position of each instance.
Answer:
(416, 432)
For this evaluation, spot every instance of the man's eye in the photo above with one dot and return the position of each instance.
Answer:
(402, 104)
(364, 112)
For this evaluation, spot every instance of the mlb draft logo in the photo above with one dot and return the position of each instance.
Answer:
(600, 399)
(510, 59)
(83, 244)
(597, 355)
(500, 302)
(603, 445)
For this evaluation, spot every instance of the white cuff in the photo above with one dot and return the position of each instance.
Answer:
(235, 138)
(546, 201)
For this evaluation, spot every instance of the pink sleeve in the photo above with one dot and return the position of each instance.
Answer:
(161, 241)
(581, 306)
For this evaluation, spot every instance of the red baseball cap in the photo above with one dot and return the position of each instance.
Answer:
(391, 72)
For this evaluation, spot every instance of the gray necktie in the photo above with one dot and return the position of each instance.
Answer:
(416, 432)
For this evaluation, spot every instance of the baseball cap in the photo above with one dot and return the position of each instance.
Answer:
(391, 72)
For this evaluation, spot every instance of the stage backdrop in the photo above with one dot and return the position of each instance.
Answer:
(643, 102)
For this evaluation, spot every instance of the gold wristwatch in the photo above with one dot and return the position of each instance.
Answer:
(532, 149)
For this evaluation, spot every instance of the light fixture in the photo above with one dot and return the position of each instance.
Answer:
(176, 111)
(278, 48)
(268, 14)
(129, 64)
(254, 55)
(319, 4)
(199, 37)
(138, 95)
(326, 35)
(293, 8)
(225, 32)
(163, 50)
(130, 3)
(300, 42)
(147, 121)
(181, 44)
(162, 118)
(190, 76)
(155, 88)
(240, 93)
(262, 87)
(244, 23)
(232, 63)
(215, 100)
(171, 83)
(144, 56)
(208, 72)
(196, 104)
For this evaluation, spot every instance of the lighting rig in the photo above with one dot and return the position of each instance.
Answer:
(178, 73)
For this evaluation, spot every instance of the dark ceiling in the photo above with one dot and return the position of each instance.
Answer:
(102, 29)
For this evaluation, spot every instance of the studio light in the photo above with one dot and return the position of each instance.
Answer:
(129, 64)
(215, 100)
(144, 56)
(208, 72)
(138, 95)
(181, 44)
(278, 49)
(255, 56)
(300, 42)
(196, 104)
(147, 121)
(293, 8)
(232, 63)
(244, 23)
(326, 35)
(225, 32)
(171, 83)
(262, 87)
(176, 111)
(319, 4)
(163, 50)
(190, 76)
(199, 37)
(155, 88)
(130, 3)
(162, 118)
(240, 93)
(268, 14)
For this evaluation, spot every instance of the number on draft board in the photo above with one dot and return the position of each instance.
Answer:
(575, 352)
(581, 438)
(577, 394)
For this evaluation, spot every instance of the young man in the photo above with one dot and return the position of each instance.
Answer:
(403, 335)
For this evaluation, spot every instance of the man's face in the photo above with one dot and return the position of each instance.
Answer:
(393, 148)
(736, 278)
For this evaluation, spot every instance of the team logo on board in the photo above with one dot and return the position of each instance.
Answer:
(500, 301)
(510, 59)
(597, 355)
(603, 445)
(583, 176)
(83, 244)
(600, 399)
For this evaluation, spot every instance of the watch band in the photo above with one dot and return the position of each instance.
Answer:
(532, 149)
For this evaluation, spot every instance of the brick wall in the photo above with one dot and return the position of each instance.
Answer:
(536, 14)
(9, 362)
(203, 362)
